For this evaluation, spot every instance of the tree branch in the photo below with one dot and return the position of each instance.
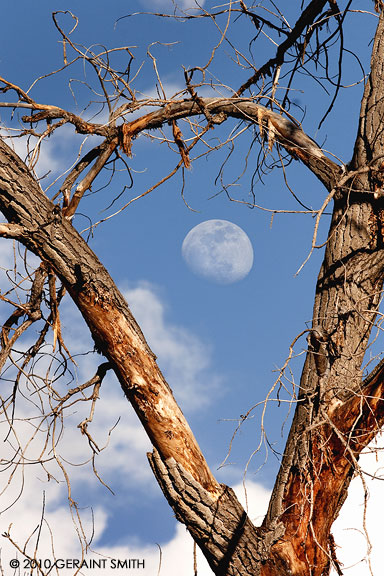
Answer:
(114, 329)
(286, 132)
(306, 19)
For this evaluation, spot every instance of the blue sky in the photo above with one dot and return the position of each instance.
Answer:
(218, 345)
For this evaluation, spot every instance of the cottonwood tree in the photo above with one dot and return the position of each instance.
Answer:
(338, 411)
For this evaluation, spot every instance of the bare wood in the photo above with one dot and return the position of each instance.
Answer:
(49, 235)
(288, 134)
(11, 230)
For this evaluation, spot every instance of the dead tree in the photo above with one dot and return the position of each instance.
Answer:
(337, 411)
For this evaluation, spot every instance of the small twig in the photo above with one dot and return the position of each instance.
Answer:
(96, 381)
(196, 98)
(314, 237)
(177, 135)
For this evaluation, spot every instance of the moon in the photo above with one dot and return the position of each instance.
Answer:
(219, 251)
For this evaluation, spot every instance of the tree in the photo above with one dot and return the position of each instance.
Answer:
(338, 412)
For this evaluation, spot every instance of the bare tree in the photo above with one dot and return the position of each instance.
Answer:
(338, 412)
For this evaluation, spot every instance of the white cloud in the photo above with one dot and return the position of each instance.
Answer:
(55, 156)
(170, 4)
(10, 253)
(183, 358)
(122, 465)
(170, 89)
(44, 160)
(6, 258)
(357, 521)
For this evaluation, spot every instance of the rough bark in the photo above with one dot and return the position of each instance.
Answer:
(221, 527)
(337, 415)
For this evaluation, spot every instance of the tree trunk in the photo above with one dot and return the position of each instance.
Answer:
(334, 420)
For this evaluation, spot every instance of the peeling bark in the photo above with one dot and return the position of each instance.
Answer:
(287, 133)
(43, 229)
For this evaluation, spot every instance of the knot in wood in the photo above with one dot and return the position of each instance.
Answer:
(318, 340)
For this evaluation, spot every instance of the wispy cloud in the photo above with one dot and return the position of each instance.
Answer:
(171, 4)
(44, 159)
(358, 531)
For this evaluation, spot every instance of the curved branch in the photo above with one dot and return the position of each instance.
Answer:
(286, 132)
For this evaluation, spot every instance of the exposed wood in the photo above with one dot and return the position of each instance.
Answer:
(288, 134)
(43, 229)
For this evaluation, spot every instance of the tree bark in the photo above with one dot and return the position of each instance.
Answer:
(333, 421)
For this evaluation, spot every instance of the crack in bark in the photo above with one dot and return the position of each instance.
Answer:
(229, 540)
